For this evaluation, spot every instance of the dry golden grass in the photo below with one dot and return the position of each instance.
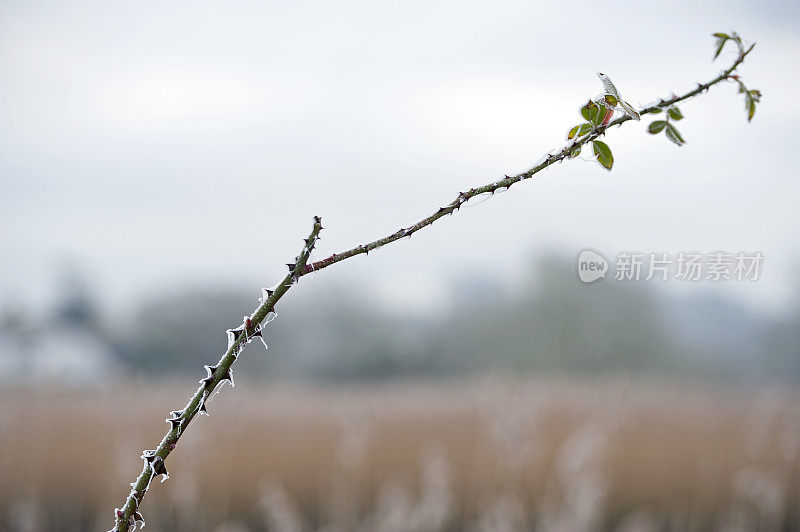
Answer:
(484, 455)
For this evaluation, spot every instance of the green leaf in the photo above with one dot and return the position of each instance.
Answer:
(603, 154)
(719, 45)
(721, 35)
(675, 113)
(756, 95)
(674, 135)
(656, 127)
(599, 113)
(586, 110)
(596, 114)
(579, 131)
(611, 100)
(751, 110)
(656, 111)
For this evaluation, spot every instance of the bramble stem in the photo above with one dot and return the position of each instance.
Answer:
(128, 516)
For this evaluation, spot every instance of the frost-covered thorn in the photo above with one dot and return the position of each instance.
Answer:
(236, 333)
(176, 413)
(138, 517)
(210, 377)
(148, 455)
(317, 219)
(228, 376)
(291, 266)
(175, 422)
(203, 408)
(158, 467)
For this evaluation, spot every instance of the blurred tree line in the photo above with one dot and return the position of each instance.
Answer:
(552, 324)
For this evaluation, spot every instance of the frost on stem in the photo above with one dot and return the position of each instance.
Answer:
(137, 518)
(201, 406)
(156, 464)
(133, 521)
(247, 330)
(210, 375)
(266, 293)
(251, 327)
(211, 370)
(175, 420)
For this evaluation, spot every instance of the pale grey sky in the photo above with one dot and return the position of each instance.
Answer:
(160, 143)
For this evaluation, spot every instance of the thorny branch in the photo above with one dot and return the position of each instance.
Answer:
(506, 182)
(128, 517)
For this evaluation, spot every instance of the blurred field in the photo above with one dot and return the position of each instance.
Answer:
(557, 454)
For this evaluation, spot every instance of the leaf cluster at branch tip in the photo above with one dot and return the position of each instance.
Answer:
(751, 96)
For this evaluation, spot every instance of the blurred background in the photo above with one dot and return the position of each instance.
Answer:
(160, 162)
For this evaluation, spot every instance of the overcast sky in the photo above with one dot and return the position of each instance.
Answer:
(157, 144)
